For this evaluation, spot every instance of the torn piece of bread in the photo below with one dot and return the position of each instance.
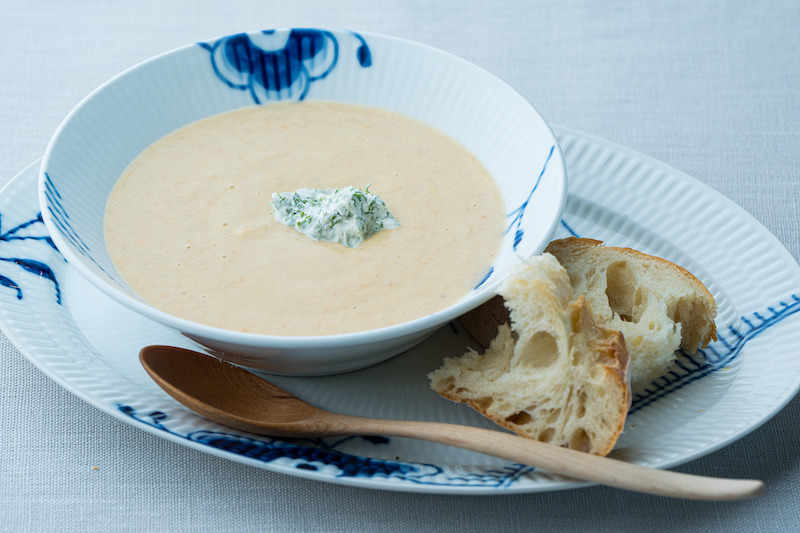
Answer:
(658, 306)
(559, 377)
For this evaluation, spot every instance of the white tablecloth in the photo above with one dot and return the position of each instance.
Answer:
(711, 88)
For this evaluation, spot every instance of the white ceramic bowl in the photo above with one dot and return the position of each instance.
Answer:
(109, 128)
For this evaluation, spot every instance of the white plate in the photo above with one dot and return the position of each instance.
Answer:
(89, 344)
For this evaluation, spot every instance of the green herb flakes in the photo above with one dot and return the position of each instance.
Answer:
(348, 215)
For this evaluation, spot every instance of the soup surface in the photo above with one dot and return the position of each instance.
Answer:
(190, 227)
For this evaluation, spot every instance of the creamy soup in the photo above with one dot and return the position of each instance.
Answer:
(190, 227)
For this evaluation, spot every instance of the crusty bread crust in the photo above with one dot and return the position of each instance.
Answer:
(558, 377)
(659, 306)
(573, 250)
(674, 310)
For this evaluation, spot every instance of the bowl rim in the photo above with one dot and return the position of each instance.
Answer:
(282, 342)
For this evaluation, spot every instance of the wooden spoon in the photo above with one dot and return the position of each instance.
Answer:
(234, 397)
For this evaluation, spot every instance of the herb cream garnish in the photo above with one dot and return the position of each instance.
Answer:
(348, 215)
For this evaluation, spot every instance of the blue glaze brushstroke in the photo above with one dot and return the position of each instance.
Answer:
(60, 217)
(568, 228)
(690, 368)
(485, 278)
(517, 214)
(27, 231)
(308, 452)
(273, 65)
(312, 454)
(516, 217)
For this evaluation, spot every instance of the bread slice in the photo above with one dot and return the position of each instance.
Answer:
(558, 377)
(658, 306)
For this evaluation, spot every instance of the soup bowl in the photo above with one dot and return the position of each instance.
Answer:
(117, 121)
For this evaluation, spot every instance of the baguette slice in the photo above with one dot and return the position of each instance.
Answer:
(558, 377)
(658, 306)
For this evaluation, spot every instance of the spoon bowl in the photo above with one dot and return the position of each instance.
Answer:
(230, 395)
(234, 397)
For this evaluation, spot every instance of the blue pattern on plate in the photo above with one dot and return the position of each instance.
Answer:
(272, 65)
(568, 228)
(311, 454)
(30, 230)
(689, 368)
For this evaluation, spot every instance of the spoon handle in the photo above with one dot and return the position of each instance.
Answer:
(557, 460)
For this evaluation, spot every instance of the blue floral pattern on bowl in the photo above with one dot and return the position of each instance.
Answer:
(277, 66)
